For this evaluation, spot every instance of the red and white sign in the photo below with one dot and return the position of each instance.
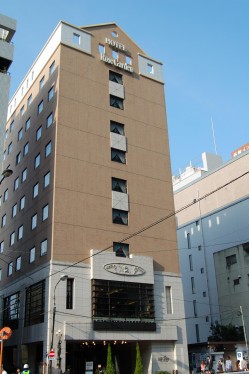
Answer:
(51, 354)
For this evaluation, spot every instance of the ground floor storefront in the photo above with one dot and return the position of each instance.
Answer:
(82, 356)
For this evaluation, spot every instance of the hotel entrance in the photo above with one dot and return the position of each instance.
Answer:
(94, 354)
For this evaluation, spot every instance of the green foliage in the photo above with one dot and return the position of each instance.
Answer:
(225, 333)
(109, 364)
(139, 364)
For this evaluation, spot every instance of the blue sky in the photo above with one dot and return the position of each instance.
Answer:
(204, 46)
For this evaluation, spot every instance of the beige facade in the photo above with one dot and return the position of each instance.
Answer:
(74, 159)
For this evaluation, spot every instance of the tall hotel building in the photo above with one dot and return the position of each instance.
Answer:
(84, 262)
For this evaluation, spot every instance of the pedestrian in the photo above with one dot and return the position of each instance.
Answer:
(237, 365)
(26, 369)
(203, 366)
(57, 370)
(209, 365)
(243, 364)
(220, 367)
(228, 365)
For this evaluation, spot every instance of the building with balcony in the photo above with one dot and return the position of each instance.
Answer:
(88, 240)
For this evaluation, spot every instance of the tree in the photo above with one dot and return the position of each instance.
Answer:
(109, 364)
(226, 333)
(139, 364)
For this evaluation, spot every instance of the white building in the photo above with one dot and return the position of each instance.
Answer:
(216, 218)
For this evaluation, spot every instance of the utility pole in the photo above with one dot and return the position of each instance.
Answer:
(244, 329)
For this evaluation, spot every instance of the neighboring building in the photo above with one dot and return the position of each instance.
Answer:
(7, 31)
(87, 141)
(214, 225)
(232, 275)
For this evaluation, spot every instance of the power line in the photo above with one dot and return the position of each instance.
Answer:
(172, 214)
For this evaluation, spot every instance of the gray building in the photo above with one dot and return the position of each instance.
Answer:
(7, 31)
(212, 234)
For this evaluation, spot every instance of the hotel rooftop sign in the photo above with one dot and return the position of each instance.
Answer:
(113, 61)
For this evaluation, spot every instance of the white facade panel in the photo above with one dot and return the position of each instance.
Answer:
(116, 89)
(76, 38)
(129, 269)
(120, 201)
(150, 68)
(118, 141)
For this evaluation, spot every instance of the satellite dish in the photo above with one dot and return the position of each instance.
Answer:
(5, 333)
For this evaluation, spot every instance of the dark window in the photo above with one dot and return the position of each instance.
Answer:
(195, 308)
(246, 247)
(69, 301)
(115, 77)
(230, 260)
(236, 282)
(119, 185)
(121, 249)
(117, 128)
(34, 306)
(118, 156)
(120, 217)
(116, 102)
(197, 333)
(189, 241)
(190, 262)
(193, 284)
(11, 310)
(122, 300)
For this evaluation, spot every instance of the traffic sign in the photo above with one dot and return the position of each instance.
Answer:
(5, 333)
(51, 354)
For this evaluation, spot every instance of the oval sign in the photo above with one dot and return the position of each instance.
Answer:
(124, 269)
(5, 333)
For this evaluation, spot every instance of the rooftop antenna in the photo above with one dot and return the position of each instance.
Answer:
(215, 147)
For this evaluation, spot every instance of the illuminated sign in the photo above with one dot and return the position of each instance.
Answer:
(124, 269)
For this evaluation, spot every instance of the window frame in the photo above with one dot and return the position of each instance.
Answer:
(44, 251)
(38, 134)
(40, 107)
(35, 190)
(120, 217)
(34, 221)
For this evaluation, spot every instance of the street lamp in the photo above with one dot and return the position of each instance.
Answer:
(63, 277)
(5, 174)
